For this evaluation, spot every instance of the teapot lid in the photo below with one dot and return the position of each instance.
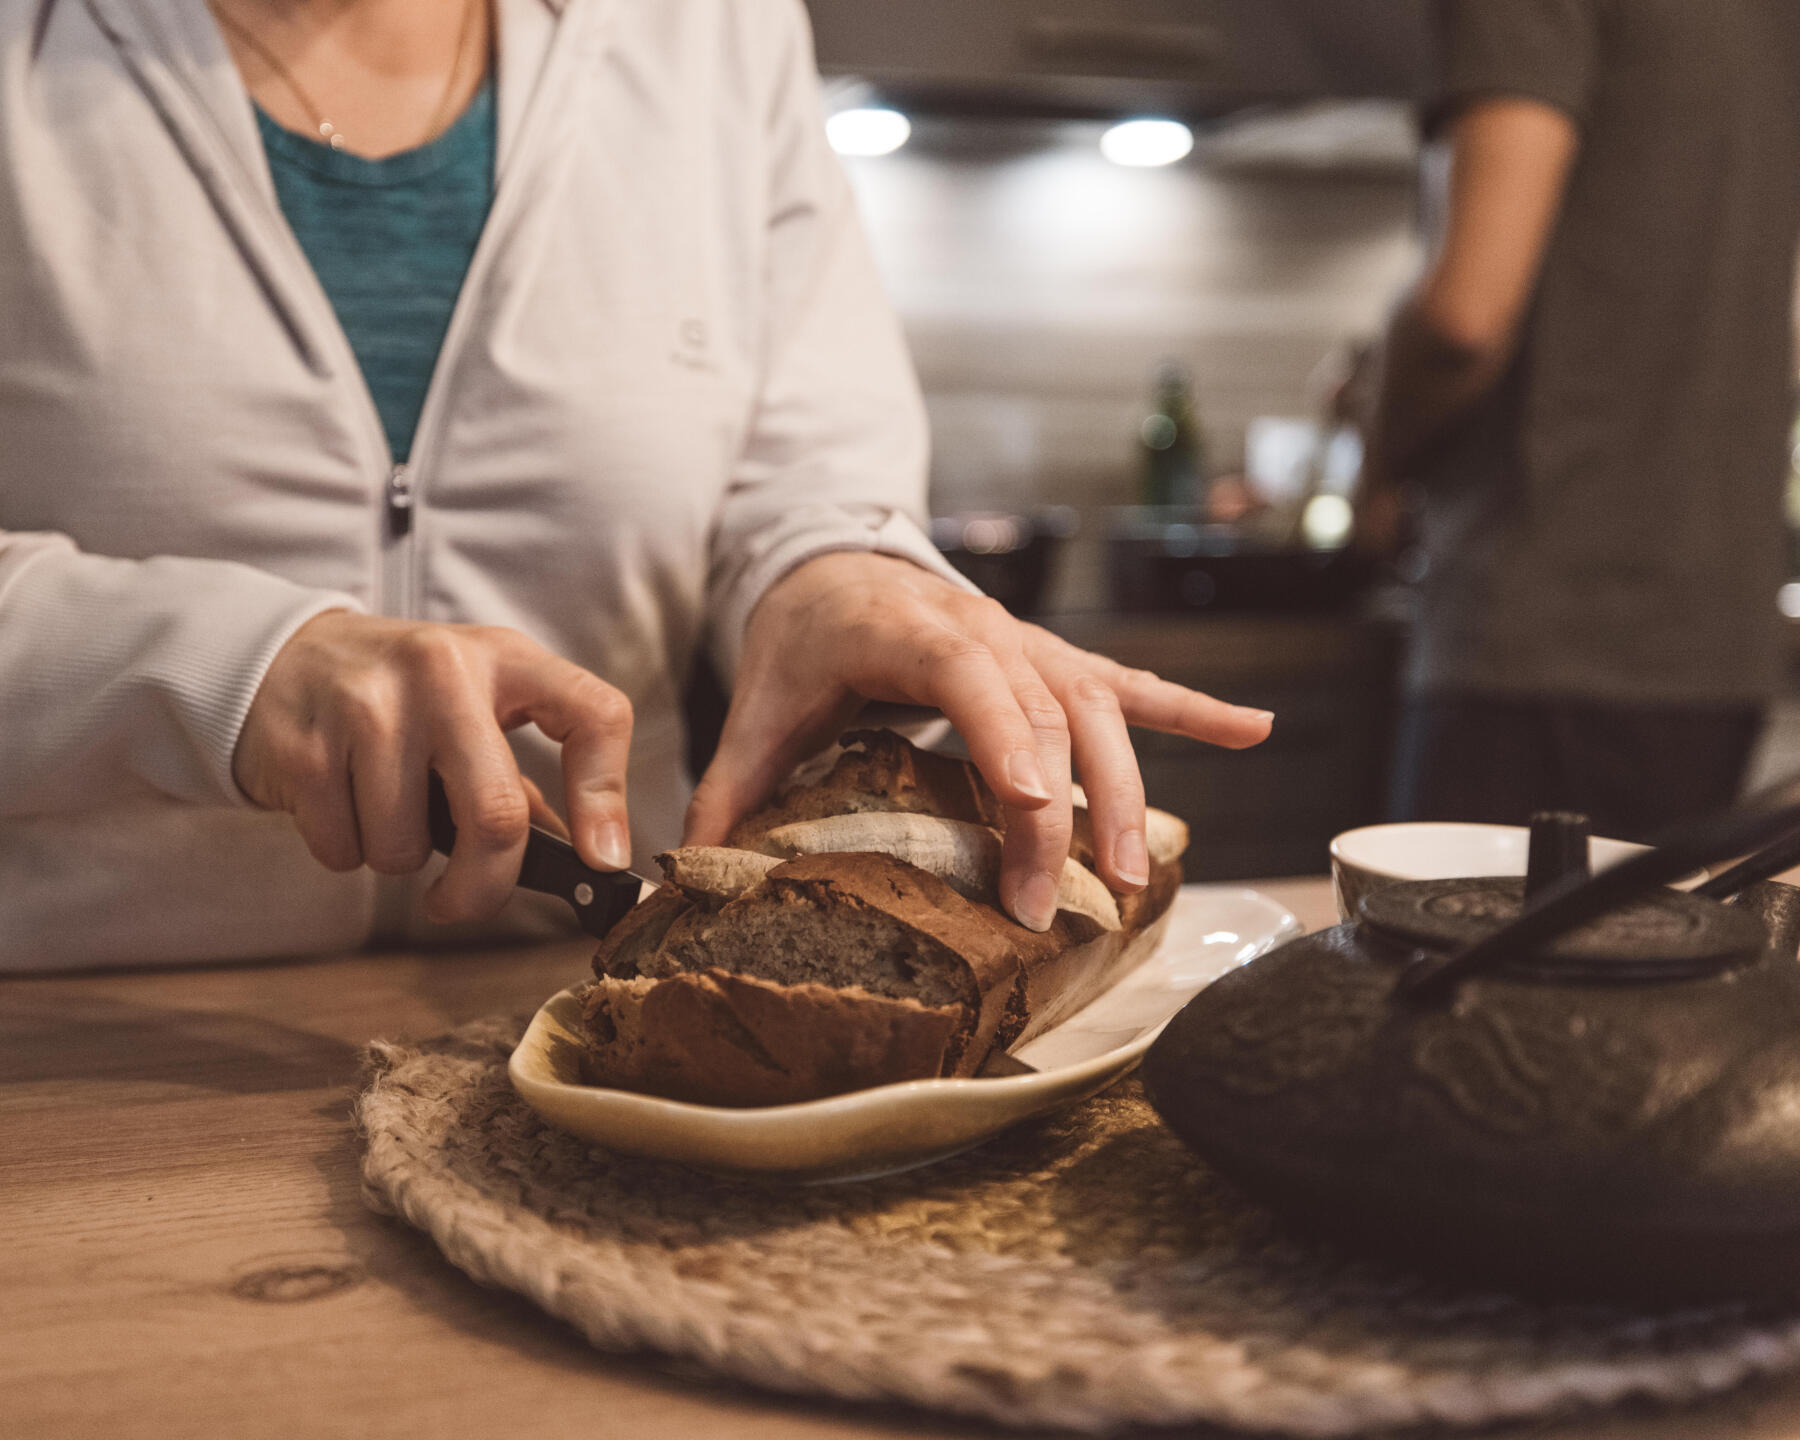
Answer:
(1662, 935)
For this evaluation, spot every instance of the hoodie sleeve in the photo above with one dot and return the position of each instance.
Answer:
(836, 453)
(123, 675)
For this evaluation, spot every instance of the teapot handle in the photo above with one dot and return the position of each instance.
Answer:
(1772, 859)
(1770, 819)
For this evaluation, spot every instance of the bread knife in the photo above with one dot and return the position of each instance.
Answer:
(599, 898)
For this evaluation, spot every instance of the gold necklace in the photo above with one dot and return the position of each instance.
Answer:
(328, 132)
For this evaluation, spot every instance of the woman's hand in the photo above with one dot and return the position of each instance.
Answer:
(846, 628)
(357, 709)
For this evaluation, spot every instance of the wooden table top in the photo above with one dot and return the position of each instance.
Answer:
(184, 1251)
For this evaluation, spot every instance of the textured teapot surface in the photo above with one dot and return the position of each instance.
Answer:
(1612, 1115)
(1666, 934)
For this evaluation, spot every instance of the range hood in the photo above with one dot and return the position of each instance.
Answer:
(1098, 58)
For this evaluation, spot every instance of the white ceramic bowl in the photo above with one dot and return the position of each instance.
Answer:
(1366, 859)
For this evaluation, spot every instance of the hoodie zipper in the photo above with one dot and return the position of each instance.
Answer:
(396, 564)
(189, 102)
(303, 307)
(399, 502)
(404, 492)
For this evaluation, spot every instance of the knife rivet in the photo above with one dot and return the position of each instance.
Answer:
(584, 894)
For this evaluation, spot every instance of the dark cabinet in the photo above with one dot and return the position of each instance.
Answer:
(1270, 810)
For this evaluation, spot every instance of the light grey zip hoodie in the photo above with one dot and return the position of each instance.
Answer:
(670, 377)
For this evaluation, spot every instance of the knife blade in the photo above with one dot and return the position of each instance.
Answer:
(599, 898)
(1001, 1066)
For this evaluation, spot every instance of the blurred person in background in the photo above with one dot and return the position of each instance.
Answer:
(1590, 390)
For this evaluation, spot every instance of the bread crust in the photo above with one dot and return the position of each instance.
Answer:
(878, 771)
(639, 932)
(716, 1038)
(1074, 973)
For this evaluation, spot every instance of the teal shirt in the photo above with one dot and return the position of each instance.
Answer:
(391, 241)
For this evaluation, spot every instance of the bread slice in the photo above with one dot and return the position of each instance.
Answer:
(862, 922)
(750, 980)
(879, 771)
(723, 1039)
(1165, 835)
(711, 875)
(965, 854)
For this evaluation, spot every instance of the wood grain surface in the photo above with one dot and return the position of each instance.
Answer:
(184, 1251)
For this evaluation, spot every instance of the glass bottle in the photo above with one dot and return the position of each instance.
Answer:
(1172, 444)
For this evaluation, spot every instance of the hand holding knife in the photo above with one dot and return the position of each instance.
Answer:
(599, 898)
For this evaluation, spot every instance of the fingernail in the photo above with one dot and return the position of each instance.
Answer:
(613, 846)
(1034, 903)
(1027, 775)
(1267, 716)
(1131, 858)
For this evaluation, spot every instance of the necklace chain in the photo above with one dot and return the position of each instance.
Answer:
(328, 132)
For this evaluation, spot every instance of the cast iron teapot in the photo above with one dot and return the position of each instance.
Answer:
(1573, 1086)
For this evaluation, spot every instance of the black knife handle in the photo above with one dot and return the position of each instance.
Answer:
(551, 866)
(437, 811)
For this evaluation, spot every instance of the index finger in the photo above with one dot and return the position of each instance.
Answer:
(592, 722)
(970, 683)
(492, 815)
(1154, 703)
(1157, 704)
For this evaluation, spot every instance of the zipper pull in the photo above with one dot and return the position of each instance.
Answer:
(399, 501)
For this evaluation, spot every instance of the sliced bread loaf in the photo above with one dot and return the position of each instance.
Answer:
(751, 979)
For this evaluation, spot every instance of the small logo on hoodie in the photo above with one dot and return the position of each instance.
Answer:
(691, 350)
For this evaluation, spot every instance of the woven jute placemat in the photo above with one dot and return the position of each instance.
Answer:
(1083, 1271)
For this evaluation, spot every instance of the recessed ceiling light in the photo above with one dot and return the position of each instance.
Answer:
(1146, 142)
(867, 130)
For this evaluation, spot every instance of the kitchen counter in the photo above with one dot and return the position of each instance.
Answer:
(186, 1252)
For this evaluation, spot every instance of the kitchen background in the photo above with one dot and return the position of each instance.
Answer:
(1044, 286)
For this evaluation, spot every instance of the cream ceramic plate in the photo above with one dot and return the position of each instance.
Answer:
(1210, 929)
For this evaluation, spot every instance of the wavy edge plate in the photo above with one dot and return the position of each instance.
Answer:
(895, 1127)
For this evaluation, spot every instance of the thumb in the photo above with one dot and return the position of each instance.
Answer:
(758, 748)
(734, 784)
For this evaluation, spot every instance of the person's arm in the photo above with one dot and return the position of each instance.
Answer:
(1451, 338)
(216, 683)
(836, 453)
(825, 593)
(124, 676)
